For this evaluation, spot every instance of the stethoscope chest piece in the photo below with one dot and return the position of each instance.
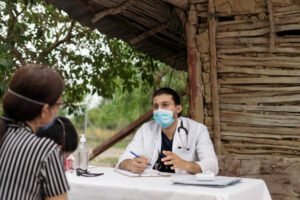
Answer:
(181, 127)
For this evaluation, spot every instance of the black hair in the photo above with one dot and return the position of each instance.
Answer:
(62, 132)
(168, 91)
(33, 81)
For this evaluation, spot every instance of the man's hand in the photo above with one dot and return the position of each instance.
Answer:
(136, 165)
(173, 159)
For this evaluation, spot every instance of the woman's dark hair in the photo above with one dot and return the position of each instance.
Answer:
(62, 132)
(36, 82)
(168, 91)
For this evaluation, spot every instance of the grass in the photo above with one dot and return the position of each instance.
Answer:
(97, 136)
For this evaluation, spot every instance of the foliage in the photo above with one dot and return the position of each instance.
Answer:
(125, 107)
(35, 32)
(119, 111)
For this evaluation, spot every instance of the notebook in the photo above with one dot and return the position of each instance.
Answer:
(146, 173)
(220, 181)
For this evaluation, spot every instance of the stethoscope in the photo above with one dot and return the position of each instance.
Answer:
(186, 132)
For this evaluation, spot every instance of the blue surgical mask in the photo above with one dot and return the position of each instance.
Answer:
(48, 125)
(163, 117)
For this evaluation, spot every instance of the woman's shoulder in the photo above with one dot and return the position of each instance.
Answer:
(45, 146)
(23, 143)
(26, 136)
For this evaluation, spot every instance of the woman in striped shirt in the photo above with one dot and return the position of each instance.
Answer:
(31, 167)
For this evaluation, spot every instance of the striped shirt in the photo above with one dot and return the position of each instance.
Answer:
(30, 167)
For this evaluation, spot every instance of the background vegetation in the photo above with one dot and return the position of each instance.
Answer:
(35, 32)
(91, 63)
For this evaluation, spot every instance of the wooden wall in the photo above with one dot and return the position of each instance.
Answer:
(249, 54)
(281, 174)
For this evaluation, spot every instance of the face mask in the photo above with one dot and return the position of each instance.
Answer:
(163, 117)
(46, 126)
(50, 123)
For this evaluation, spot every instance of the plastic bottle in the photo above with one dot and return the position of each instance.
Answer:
(69, 163)
(82, 154)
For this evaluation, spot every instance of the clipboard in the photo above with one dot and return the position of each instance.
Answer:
(146, 173)
(220, 181)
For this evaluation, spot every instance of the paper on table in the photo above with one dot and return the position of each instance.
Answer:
(146, 173)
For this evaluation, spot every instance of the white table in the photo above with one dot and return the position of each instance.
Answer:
(114, 186)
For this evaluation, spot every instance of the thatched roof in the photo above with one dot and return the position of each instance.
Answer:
(151, 26)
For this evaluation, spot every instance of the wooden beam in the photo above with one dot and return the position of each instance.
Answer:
(120, 135)
(149, 33)
(261, 120)
(288, 99)
(260, 80)
(181, 15)
(178, 3)
(196, 109)
(246, 33)
(112, 11)
(212, 25)
(254, 70)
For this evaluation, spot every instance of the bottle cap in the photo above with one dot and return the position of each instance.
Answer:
(82, 138)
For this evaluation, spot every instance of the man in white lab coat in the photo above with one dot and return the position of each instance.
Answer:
(170, 143)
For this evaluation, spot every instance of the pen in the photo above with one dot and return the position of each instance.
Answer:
(137, 156)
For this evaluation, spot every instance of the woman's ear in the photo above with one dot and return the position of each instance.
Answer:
(45, 111)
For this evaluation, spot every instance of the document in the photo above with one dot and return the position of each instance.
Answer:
(220, 181)
(146, 173)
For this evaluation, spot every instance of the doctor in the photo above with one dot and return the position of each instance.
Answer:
(170, 143)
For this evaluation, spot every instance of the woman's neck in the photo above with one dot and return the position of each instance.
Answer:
(33, 124)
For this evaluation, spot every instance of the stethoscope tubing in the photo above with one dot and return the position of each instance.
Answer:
(180, 138)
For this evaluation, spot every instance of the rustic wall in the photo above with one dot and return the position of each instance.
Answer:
(255, 45)
(258, 74)
(280, 174)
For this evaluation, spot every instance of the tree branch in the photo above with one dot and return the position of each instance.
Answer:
(158, 76)
(11, 23)
(19, 13)
(14, 51)
(112, 11)
(58, 42)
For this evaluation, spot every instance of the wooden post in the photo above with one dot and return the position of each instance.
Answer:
(212, 24)
(196, 109)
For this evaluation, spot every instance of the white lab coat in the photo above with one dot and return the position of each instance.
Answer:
(147, 142)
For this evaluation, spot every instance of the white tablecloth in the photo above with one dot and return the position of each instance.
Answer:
(114, 186)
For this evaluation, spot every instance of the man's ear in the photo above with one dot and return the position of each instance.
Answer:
(178, 109)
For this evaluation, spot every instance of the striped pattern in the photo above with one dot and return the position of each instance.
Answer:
(30, 167)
